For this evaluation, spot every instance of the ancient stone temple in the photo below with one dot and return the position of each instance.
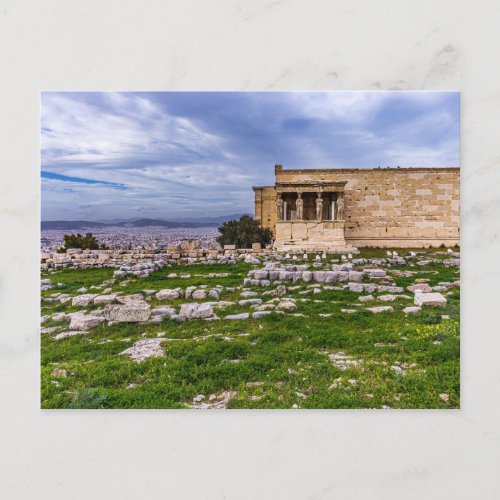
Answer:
(338, 209)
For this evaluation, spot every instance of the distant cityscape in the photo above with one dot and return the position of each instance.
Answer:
(134, 234)
(152, 237)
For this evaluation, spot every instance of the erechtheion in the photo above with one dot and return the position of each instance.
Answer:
(338, 209)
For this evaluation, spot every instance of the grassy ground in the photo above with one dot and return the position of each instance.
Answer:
(393, 360)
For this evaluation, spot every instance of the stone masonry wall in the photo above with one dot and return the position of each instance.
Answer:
(77, 258)
(387, 207)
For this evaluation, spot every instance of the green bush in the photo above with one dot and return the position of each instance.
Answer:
(244, 232)
(87, 242)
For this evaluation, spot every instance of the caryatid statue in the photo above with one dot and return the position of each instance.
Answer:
(340, 206)
(319, 207)
(300, 206)
(279, 207)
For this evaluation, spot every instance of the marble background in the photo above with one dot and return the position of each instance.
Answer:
(257, 45)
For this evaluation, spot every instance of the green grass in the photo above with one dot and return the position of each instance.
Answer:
(287, 354)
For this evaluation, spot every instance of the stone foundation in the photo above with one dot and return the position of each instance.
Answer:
(78, 258)
(313, 236)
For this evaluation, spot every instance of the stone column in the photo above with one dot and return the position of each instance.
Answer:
(279, 207)
(340, 206)
(319, 207)
(300, 206)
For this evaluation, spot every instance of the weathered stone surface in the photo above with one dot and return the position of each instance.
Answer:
(365, 298)
(390, 289)
(131, 312)
(60, 317)
(143, 349)
(125, 299)
(356, 287)
(422, 287)
(238, 316)
(249, 302)
(319, 276)
(162, 311)
(355, 276)
(196, 311)
(105, 299)
(287, 305)
(307, 276)
(168, 294)
(331, 276)
(260, 314)
(387, 298)
(412, 309)
(85, 322)
(379, 309)
(375, 273)
(83, 300)
(261, 274)
(430, 299)
(70, 333)
(199, 294)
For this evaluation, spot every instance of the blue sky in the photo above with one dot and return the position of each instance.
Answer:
(176, 155)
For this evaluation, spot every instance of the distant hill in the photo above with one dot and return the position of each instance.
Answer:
(73, 224)
(188, 223)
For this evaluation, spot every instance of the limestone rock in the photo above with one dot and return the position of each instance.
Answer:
(421, 287)
(260, 314)
(196, 311)
(168, 294)
(379, 309)
(238, 316)
(387, 298)
(249, 302)
(356, 287)
(390, 289)
(412, 309)
(199, 294)
(430, 299)
(143, 349)
(105, 299)
(131, 312)
(83, 300)
(125, 299)
(375, 273)
(162, 311)
(355, 276)
(365, 298)
(85, 322)
(69, 333)
(287, 305)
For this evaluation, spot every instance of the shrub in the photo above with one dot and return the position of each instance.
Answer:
(87, 242)
(90, 398)
(244, 232)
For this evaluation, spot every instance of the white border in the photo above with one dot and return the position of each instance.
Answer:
(241, 45)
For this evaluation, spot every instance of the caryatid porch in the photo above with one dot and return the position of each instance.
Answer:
(310, 216)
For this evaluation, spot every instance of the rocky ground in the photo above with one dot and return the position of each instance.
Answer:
(377, 330)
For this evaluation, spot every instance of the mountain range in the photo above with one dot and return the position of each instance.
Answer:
(187, 223)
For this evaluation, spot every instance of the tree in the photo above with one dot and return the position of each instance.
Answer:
(244, 232)
(87, 242)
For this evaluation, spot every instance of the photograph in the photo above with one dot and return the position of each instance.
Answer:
(250, 250)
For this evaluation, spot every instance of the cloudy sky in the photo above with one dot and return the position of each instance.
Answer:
(176, 155)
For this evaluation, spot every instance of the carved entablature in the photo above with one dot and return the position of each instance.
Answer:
(311, 187)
